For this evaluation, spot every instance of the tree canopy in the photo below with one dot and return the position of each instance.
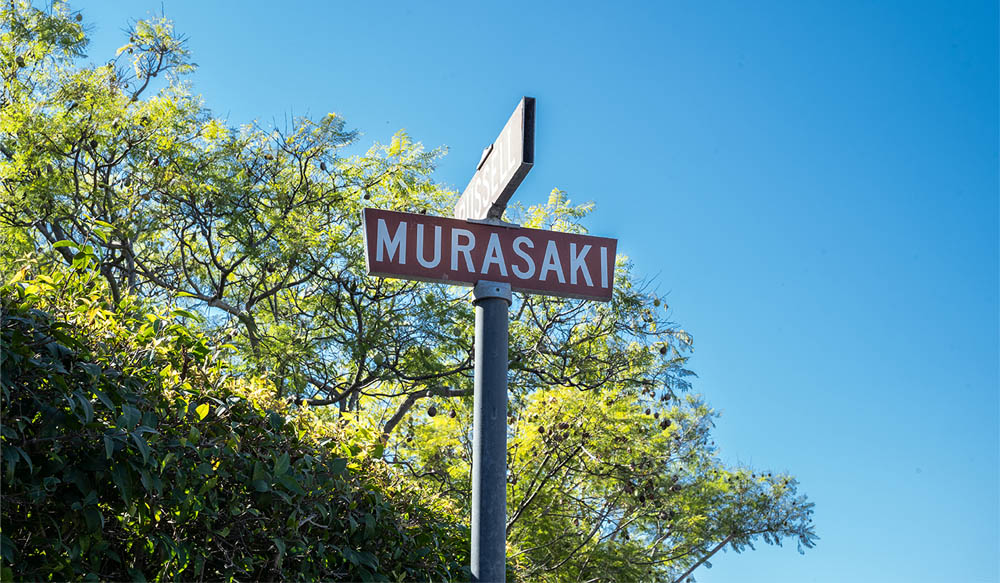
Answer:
(120, 171)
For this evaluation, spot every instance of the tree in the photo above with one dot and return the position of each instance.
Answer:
(131, 453)
(257, 229)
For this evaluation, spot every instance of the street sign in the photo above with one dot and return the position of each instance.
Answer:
(442, 250)
(502, 168)
(477, 249)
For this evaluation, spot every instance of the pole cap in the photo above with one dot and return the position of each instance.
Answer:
(485, 290)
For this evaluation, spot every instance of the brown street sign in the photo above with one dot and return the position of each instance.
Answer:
(502, 168)
(443, 250)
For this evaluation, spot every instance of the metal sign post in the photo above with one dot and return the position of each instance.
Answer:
(489, 433)
(476, 248)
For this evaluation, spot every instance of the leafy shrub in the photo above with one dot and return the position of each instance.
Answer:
(129, 452)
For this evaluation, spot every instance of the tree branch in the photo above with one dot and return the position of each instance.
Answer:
(702, 560)
(412, 398)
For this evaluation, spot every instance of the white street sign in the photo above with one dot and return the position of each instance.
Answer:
(502, 168)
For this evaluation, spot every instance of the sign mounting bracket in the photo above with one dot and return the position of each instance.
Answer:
(486, 154)
(496, 222)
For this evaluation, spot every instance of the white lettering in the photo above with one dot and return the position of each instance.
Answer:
(397, 242)
(527, 273)
(494, 255)
(420, 246)
(551, 263)
(576, 262)
(604, 267)
(464, 249)
(491, 177)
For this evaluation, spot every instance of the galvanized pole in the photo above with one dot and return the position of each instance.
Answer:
(489, 434)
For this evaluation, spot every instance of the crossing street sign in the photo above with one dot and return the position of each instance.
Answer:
(502, 168)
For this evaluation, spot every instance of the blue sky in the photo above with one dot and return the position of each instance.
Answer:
(815, 184)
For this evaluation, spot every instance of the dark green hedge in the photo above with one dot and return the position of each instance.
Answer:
(128, 453)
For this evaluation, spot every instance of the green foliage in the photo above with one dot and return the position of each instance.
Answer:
(251, 236)
(257, 228)
(618, 485)
(129, 453)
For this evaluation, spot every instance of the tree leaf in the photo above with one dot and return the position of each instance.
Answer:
(291, 484)
(94, 518)
(103, 398)
(184, 314)
(27, 458)
(130, 416)
(140, 442)
(88, 408)
(338, 465)
(281, 464)
(7, 548)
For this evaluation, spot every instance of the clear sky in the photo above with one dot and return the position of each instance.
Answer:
(814, 183)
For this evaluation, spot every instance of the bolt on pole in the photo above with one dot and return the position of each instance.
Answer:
(489, 434)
